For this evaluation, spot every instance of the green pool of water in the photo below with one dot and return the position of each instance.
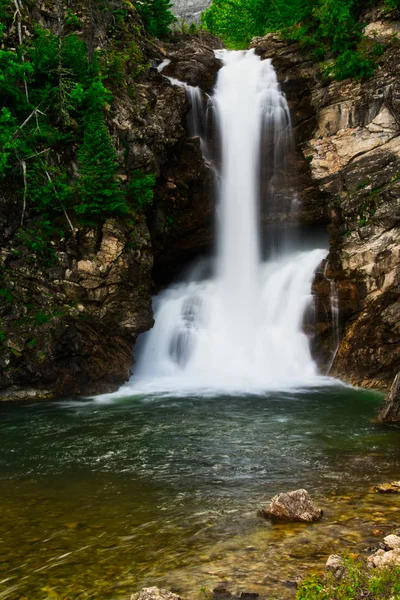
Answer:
(100, 499)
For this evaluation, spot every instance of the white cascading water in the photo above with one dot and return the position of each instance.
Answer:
(240, 331)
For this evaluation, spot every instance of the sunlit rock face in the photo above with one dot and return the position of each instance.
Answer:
(189, 11)
(349, 170)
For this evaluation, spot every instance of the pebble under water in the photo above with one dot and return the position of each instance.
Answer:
(99, 499)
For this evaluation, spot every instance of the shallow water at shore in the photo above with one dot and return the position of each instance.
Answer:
(98, 499)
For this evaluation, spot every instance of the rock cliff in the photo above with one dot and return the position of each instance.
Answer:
(347, 135)
(68, 325)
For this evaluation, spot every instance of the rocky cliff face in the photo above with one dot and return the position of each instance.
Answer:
(68, 328)
(348, 135)
(189, 11)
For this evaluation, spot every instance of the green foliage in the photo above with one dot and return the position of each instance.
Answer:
(117, 65)
(6, 295)
(350, 64)
(72, 20)
(41, 318)
(330, 29)
(358, 581)
(53, 105)
(99, 189)
(156, 15)
(37, 240)
(237, 21)
(141, 189)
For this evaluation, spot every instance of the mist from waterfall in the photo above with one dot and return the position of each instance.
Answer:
(242, 329)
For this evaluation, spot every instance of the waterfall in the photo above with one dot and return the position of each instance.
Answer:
(241, 330)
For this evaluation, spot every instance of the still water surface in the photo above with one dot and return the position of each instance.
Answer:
(99, 499)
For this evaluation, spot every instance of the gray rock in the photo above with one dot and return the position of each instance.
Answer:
(382, 559)
(392, 541)
(335, 565)
(154, 593)
(292, 506)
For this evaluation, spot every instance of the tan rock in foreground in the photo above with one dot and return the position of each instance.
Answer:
(292, 506)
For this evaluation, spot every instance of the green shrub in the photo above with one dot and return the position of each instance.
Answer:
(351, 64)
(329, 29)
(391, 4)
(141, 189)
(156, 16)
(98, 188)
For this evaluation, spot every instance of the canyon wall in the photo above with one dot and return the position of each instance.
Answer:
(347, 135)
(68, 325)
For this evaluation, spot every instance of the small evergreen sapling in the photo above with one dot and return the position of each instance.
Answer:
(98, 188)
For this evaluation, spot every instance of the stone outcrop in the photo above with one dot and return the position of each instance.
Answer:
(347, 134)
(93, 305)
(182, 223)
(335, 565)
(193, 61)
(292, 506)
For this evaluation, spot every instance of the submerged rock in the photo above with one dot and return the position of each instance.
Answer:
(154, 593)
(292, 506)
(388, 488)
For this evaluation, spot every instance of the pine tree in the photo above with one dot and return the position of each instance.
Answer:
(156, 16)
(98, 188)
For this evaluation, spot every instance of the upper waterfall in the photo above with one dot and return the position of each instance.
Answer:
(241, 330)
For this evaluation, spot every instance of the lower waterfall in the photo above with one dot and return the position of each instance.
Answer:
(242, 329)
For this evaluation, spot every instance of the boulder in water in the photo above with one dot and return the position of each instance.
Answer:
(292, 506)
(154, 593)
(388, 488)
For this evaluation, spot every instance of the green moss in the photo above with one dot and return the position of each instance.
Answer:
(363, 184)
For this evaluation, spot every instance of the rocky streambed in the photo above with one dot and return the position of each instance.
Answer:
(101, 499)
